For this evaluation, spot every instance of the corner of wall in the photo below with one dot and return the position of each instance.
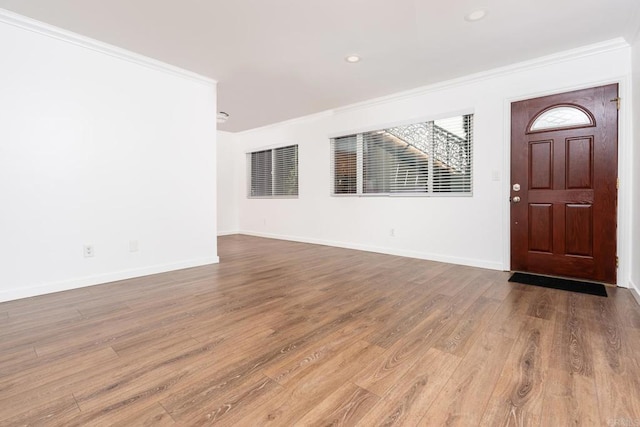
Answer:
(227, 187)
(634, 291)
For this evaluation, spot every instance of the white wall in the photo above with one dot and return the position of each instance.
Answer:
(465, 230)
(227, 184)
(97, 149)
(635, 185)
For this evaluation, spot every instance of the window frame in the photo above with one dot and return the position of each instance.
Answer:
(358, 133)
(274, 178)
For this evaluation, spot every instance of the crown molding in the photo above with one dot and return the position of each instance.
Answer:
(29, 24)
(568, 55)
(297, 120)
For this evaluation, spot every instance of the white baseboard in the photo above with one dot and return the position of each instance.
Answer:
(383, 250)
(227, 232)
(634, 291)
(81, 282)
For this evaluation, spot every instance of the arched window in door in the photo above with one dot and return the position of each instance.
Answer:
(561, 117)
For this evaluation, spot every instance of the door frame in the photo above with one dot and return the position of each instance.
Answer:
(625, 138)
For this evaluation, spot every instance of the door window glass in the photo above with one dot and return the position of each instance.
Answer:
(564, 116)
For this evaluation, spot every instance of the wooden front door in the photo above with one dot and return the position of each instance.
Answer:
(564, 169)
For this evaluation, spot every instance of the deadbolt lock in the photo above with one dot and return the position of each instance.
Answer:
(516, 187)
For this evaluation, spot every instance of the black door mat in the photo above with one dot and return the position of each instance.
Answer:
(562, 284)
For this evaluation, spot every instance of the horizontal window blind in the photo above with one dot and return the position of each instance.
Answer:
(261, 173)
(273, 173)
(345, 162)
(421, 158)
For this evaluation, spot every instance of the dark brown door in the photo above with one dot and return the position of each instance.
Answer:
(564, 161)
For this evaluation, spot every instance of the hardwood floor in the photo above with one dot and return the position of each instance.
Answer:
(284, 333)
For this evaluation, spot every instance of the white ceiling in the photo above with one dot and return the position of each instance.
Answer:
(280, 59)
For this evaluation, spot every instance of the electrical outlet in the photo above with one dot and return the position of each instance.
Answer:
(88, 251)
(133, 246)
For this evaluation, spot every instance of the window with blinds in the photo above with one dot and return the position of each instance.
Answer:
(425, 158)
(273, 173)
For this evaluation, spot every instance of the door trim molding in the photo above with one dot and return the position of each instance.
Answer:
(624, 173)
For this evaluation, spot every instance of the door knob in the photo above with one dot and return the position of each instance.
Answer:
(516, 199)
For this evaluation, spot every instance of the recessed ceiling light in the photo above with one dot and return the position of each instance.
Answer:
(352, 59)
(476, 15)
(222, 117)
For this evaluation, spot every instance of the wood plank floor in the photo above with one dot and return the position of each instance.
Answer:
(283, 333)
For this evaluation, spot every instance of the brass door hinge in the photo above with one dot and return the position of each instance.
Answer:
(617, 262)
(617, 100)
